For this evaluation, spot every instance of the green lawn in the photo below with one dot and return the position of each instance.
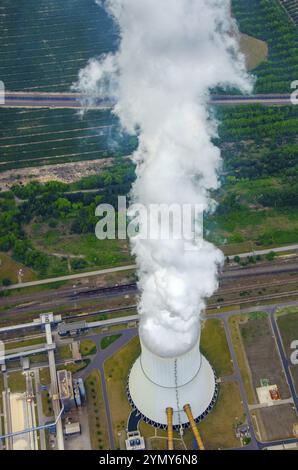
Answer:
(217, 429)
(215, 347)
(116, 371)
(17, 382)
(87, 347)
(44, 376)
(108, 340)
(29, 342)
(95, 253)
(47, 406)
(64, 352)
(9, 269)
(96, 412)
(75, 366)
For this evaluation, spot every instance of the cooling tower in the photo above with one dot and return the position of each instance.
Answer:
(156, 383)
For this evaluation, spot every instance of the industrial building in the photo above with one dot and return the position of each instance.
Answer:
(72, 329)
(135, 441)
(66, 392)
(186, 384)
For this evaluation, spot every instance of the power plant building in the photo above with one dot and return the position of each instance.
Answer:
(66, 392)
(157, 383)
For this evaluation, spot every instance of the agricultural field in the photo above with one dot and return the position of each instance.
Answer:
(258, 199)
(267, 20)
(44, 44)
(35, 137)
(291, 6)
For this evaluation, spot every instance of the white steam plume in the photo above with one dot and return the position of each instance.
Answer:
(171, 53)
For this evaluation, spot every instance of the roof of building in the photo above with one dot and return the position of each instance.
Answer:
(64, 328)
(135, 441)
(72, 428)
(65, 384)
(152, 399)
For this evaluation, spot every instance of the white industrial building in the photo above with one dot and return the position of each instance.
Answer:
(156, 383)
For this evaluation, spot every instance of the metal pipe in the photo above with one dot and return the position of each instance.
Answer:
(193, 426)
(169, 412)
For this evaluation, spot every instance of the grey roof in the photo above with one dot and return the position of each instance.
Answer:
(64, 328)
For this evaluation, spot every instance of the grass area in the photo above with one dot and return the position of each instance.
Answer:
(64, 352)
(217, 429)
(87, 347)
(46, 401)
(9, 269)
(158, 437)
(54, 42)
(96, 412)
(255, 50)
(25, 343)
(95, 253)
(17, 382)
(39, 358)
(1, 390)
(215, 347)
(116, 372)
(75, 366)
(240, 354)
(36, 137)
(108, 340)
(45, 376)
(262, 354)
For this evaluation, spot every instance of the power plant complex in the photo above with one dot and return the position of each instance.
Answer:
(172, 393)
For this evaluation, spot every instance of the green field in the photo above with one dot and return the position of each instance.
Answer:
(268, 21)
(215, 347)
(116, 372)
(108, 340)
(258, 198)
(87, 347)
(44, 44)
(96, 412)
(34, 137)
(17, 382)
(218, 428)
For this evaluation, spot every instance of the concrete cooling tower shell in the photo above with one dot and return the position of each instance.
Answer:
(155, 383)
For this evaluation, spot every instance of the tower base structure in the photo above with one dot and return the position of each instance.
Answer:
(156, 383)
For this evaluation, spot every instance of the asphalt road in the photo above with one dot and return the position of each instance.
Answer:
(75, 100)
(102, 355)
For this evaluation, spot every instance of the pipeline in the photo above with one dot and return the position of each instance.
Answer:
(169, 412)
(193, 426)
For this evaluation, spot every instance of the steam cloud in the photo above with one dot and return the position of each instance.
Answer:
(171, 53)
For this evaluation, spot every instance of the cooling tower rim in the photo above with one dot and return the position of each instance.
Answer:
(168, 357)
(171, 386)
(185, 425)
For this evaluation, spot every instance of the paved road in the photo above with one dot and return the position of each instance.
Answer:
(284, 359)
(74, 100)
(98, 362)
(254, 442)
